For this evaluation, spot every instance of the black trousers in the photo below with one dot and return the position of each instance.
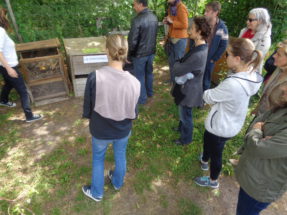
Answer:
(19, 85)
(212, 149)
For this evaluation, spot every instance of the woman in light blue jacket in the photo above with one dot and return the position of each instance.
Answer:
(229, 102)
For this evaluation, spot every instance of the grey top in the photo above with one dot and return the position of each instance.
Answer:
(193, 62)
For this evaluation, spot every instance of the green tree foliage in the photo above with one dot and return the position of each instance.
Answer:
(44, 19)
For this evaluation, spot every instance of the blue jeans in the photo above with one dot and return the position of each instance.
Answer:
(207, 75)
(185, 124)
(20, 87)
(246, 205)
(212, 149)
(99, 151)
(143, 71)
(176, 52)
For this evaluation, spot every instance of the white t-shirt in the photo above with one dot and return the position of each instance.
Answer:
(7, 47)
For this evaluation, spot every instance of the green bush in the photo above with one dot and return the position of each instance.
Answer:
(45, 19)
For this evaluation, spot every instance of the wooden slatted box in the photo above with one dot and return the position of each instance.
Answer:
(85, 55)
(43, 68)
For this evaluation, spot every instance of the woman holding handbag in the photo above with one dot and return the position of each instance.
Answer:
(188, 77)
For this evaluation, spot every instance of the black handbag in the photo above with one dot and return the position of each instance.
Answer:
(167, 47)
(177, 94)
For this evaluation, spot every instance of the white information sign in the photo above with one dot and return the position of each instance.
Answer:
(95, 59)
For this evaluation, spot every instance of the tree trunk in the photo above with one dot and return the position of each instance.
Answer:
(13, 20)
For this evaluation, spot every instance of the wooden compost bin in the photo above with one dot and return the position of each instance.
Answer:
(85, 55)
(43, 68)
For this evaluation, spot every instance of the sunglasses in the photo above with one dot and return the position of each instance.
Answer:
(251, 20)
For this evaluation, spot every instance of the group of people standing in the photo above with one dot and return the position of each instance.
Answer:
(112, 96)
(261, 170)
(190, 73)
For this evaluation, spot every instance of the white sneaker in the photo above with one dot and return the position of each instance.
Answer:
(8, 104)
(87, 191)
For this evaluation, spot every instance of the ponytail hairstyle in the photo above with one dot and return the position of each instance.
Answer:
(245, 49)
(4, 22)
(117, 47)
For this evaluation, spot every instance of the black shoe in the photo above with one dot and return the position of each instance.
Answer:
(34, 118)
(8, 104)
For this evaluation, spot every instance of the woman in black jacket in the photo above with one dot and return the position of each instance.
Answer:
(188, 77)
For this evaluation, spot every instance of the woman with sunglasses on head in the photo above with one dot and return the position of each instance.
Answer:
(277, 77)
(229, 102)
(258, 30)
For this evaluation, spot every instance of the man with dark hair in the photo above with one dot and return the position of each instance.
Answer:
(142, 47)
(217, 40)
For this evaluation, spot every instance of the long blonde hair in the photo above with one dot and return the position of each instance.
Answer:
(117, 47)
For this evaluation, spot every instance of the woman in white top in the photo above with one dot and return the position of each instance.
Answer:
(9, 70)
(229, 102)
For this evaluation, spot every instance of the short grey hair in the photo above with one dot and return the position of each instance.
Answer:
(262, 15)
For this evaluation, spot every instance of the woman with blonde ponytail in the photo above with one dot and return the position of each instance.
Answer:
(229, 102)
(110, 100)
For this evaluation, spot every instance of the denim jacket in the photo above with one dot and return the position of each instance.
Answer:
(219, 42)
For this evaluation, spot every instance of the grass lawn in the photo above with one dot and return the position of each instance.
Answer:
(44, 164)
